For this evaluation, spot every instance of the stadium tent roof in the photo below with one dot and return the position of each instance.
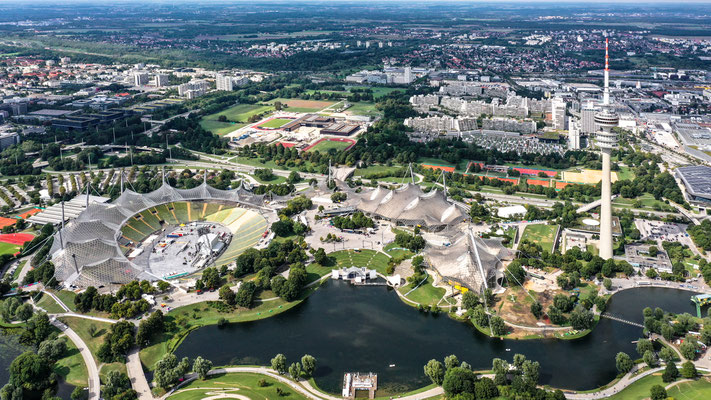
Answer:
(469, 261)
(409, 205)
(86, 251)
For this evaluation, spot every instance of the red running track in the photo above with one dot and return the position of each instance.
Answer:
(16, 238)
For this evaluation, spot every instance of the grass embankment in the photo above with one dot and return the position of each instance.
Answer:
(640, 389)
(425, 294)
(83, 327)
(243, 384)
(49, 305)
(193, 316)
(71, 367)
(328, 145)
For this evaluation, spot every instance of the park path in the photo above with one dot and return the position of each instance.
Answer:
(134, 369)
(626, 380)
(303, 387)
(94, 382)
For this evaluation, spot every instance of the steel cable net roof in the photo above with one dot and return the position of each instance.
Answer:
(461, 263)
(86, 251)
(409, 205)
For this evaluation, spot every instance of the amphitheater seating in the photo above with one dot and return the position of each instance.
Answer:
(180, 209)
(150, 219)
(234, 216)
(220, 215)
(196, 210)
(210, 208)
(249, 230)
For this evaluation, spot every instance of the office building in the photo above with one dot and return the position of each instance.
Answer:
(558, 110)
(140, 78)
(161, 80)
(573, 134)
(8, 139)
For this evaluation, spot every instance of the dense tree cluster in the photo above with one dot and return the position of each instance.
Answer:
(413, 243)
(117, 343)
(150, 327)
(356, 221)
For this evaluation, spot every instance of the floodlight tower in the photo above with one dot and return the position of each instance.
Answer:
(606, 140)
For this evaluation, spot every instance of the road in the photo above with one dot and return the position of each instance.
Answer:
(94, 381)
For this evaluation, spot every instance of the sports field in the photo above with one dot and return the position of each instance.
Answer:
(697, 390)
(541, 234)
(275, 123)
(325, 145)
(8, 248)
(587, 176)
(304, 106)
(240, 112)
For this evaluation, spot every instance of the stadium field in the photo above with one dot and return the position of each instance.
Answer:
(220, 128)
(326, 144)
(275, 123)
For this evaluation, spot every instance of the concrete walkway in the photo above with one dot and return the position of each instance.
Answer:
(94, 383)
(134, 369)
(626, 380)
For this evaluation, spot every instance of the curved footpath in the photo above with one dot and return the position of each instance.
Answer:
(303, 387)
(93, 383)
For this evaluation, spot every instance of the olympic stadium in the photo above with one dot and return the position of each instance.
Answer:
(117, 242)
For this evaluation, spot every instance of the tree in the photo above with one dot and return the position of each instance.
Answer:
(623, 362)
(78, 393)
(295, 371)
(117, 384)
(201, 367)
(469, 299)
(168, 370)
(246, 293)
(150, 327)
(498, 327)
(644, 345)
(24, 312)
(537, 310)
(31, 373)
(650, 358)
(458, 380)
(435, 371)
(671, 373)
(607, 283)
(658, 392)
(279, 363)
(515, 273)
(163, 286)
(688, 370)
(52, 350)
(667, 355)
(485, 388)
(451, 361)
(294, 177)
(227, 295)
(581, 318)
(689, 347)
(308, 365)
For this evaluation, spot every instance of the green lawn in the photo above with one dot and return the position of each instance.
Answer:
(377, 169)
(106, 368)
(8, 248)
(640, 389)
(220, 128)
(425, 294)
(275, 123)
(394, 251)
(48, 303)
(240, 112)
(82, 327)
(361, 258)
(363, 108)
(71, 367)
(541, 234)
(67, 298)
(243, 384)
(326, 145)
(697, 390)
(200, 314)
(315, 271)
(378, 91)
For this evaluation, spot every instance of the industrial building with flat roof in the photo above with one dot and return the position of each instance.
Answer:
(697, 181)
